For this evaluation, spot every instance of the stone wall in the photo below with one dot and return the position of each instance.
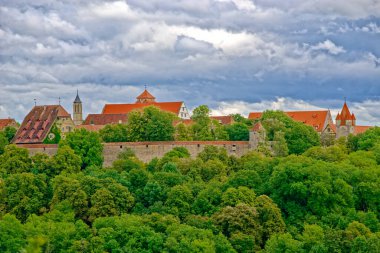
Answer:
(146, 151)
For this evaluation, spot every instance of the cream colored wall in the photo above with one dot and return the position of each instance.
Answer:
(66, 125)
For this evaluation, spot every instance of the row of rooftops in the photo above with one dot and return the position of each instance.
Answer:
(38, 122)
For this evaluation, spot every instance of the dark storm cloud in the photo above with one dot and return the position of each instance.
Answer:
(226, 53)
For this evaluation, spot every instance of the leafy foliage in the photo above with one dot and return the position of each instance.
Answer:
(326, 199)
(86, 145)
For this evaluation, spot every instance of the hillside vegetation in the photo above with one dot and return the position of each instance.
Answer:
(326, 199)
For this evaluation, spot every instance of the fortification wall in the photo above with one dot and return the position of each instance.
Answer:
(146, 151)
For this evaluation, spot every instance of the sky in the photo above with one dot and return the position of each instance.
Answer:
(235, 56)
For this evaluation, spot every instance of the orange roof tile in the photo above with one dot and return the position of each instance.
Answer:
(7, 122)
(38, 122)
(91, 128)
(255, 115)
(224, 120)
(104, 119)
(257, 127)
(173, 107)
(361, 129)
(316, 119)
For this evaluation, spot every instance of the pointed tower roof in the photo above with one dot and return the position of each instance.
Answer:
(145, 95)
(77, 99)
(345, 113)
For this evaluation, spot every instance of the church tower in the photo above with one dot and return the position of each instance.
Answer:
(77, 111)
(345, 122)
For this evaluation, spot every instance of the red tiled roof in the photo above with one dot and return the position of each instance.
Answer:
(173, 107)
(91, 128)
(316, 119)
(224, 120)
(104, 119)
(257, 127)
(255, 115)
(145, 95)
(361, 129)
(7, 122)
(38, 122)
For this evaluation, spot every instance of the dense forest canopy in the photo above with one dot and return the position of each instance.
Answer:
(302, 198)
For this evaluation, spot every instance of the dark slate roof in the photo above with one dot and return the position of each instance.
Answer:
(77, 99)
(38, 122)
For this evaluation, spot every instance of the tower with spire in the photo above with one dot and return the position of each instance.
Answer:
(77, 111)
(345, 122)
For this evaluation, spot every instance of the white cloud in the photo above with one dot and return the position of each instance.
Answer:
(329, 46)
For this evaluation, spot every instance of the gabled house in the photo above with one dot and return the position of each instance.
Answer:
(7, 123)
(146, 99)
(45, 123)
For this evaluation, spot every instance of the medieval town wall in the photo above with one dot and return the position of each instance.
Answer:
(146, 151)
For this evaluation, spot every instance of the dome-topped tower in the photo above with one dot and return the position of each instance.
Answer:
(77, 111)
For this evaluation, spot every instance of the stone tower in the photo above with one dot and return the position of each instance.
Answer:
(77, 111)
(345, 122)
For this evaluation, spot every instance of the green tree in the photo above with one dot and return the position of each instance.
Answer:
(102, 205)
(12, 235)
(179, 200)
(283, 243)
(26, 194)
(201, 128)
(3, 142)
(151, 124)
(280, 147)
(182, 132)
(299, 137)
(10, 132)
(15, 160)
(235, 196)
(64, 160)
(239, 219)
(238, 132)
(114, 133)
(86, 145)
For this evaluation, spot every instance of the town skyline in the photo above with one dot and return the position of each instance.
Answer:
(235, 56)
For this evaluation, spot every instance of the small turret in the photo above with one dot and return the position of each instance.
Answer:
(77, 111)
(145, 98)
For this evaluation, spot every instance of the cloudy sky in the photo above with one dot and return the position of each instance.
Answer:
(234, 55)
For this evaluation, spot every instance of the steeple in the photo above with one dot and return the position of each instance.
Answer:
(77, 99)
(145, 97)
(77, 110)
